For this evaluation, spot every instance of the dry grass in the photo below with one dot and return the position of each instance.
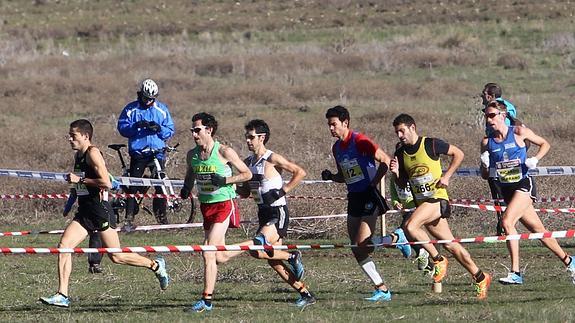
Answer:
(287, 76)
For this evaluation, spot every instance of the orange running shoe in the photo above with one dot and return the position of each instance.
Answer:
(440, 270)
(482, 286)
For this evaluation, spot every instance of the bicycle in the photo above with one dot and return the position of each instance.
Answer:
(121, 203)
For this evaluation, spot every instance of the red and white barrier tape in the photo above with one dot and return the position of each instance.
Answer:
(502, 208)
(338, 198)
(168, 226)
(201, 248)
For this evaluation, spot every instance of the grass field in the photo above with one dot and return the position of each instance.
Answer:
(284, 62)
(248, 291)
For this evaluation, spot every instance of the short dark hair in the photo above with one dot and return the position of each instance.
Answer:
(405, 119)
(260, 127)
(493, 89)
(84, 127)
(338, 111)
(208, 120)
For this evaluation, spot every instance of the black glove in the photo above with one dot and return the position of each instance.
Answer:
(378, 200)
(273, 195)
(326, 175)
(142, 124)
(185, 192)
(154, 127)
(218, 180)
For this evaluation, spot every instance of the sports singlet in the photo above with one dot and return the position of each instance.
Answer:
(259, 184)
(207, 192)
(83, 191)
(358, 170)
(507, 158)
(423, 173)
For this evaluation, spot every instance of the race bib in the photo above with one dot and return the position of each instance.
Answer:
(403, 194)
(255, 191)
(509, 171)
(205, 185)
(351, 171)
(81, 189)
(423, 187)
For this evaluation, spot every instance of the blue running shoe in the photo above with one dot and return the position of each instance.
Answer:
(402, 243)
(200, 306)
(56, 300)
(511, 279)
(296, 265)
(304, 301)
(162, 273)
(571, 269)
(380, 296)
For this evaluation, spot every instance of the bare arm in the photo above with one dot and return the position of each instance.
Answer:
(190, 178)
(96, 161)
(230, 155)
(456, 159)
(528, 134)
(297, 172)
(384, 161)
(484, 170)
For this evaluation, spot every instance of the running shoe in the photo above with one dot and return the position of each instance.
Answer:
(296, 265)
(511, 279)
(95, 269)
(482, 286)
(305, 301)
(429, 270)
(422, 259)
(571, 269)
(56, 300)
(200, 306)
(401, 243)
(379, 296)
(440, 270)
(162, 273)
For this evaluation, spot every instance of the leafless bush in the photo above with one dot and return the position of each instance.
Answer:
(563, 42)
(218, 67)
(511, 60)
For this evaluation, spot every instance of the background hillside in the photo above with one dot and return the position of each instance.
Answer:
(285, 62)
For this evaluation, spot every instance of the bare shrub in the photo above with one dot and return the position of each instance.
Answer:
(563, 42)
(512, 60)
(217, 67)
(348, 62)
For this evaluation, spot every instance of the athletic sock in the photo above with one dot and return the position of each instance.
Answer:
(569, 258)
(479, 276)
(370, 270)
(381, 289)
(304, 292)
(154, 266)
(207, 298)
(437, 258)
(518, 273)
(63, 295)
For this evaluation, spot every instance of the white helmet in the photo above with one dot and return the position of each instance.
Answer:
(149, 89)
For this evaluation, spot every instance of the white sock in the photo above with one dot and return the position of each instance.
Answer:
(368, 267)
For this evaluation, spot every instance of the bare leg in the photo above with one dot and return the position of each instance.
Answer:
(440, 229)
(73, 235)
(216, 235)
(360, 230)
(424, 214)
(110, 239)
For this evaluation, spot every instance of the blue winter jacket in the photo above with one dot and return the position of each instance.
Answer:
(141, 140)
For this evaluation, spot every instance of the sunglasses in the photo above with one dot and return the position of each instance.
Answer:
(197, 129)
(492, 115)
(252, 137)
